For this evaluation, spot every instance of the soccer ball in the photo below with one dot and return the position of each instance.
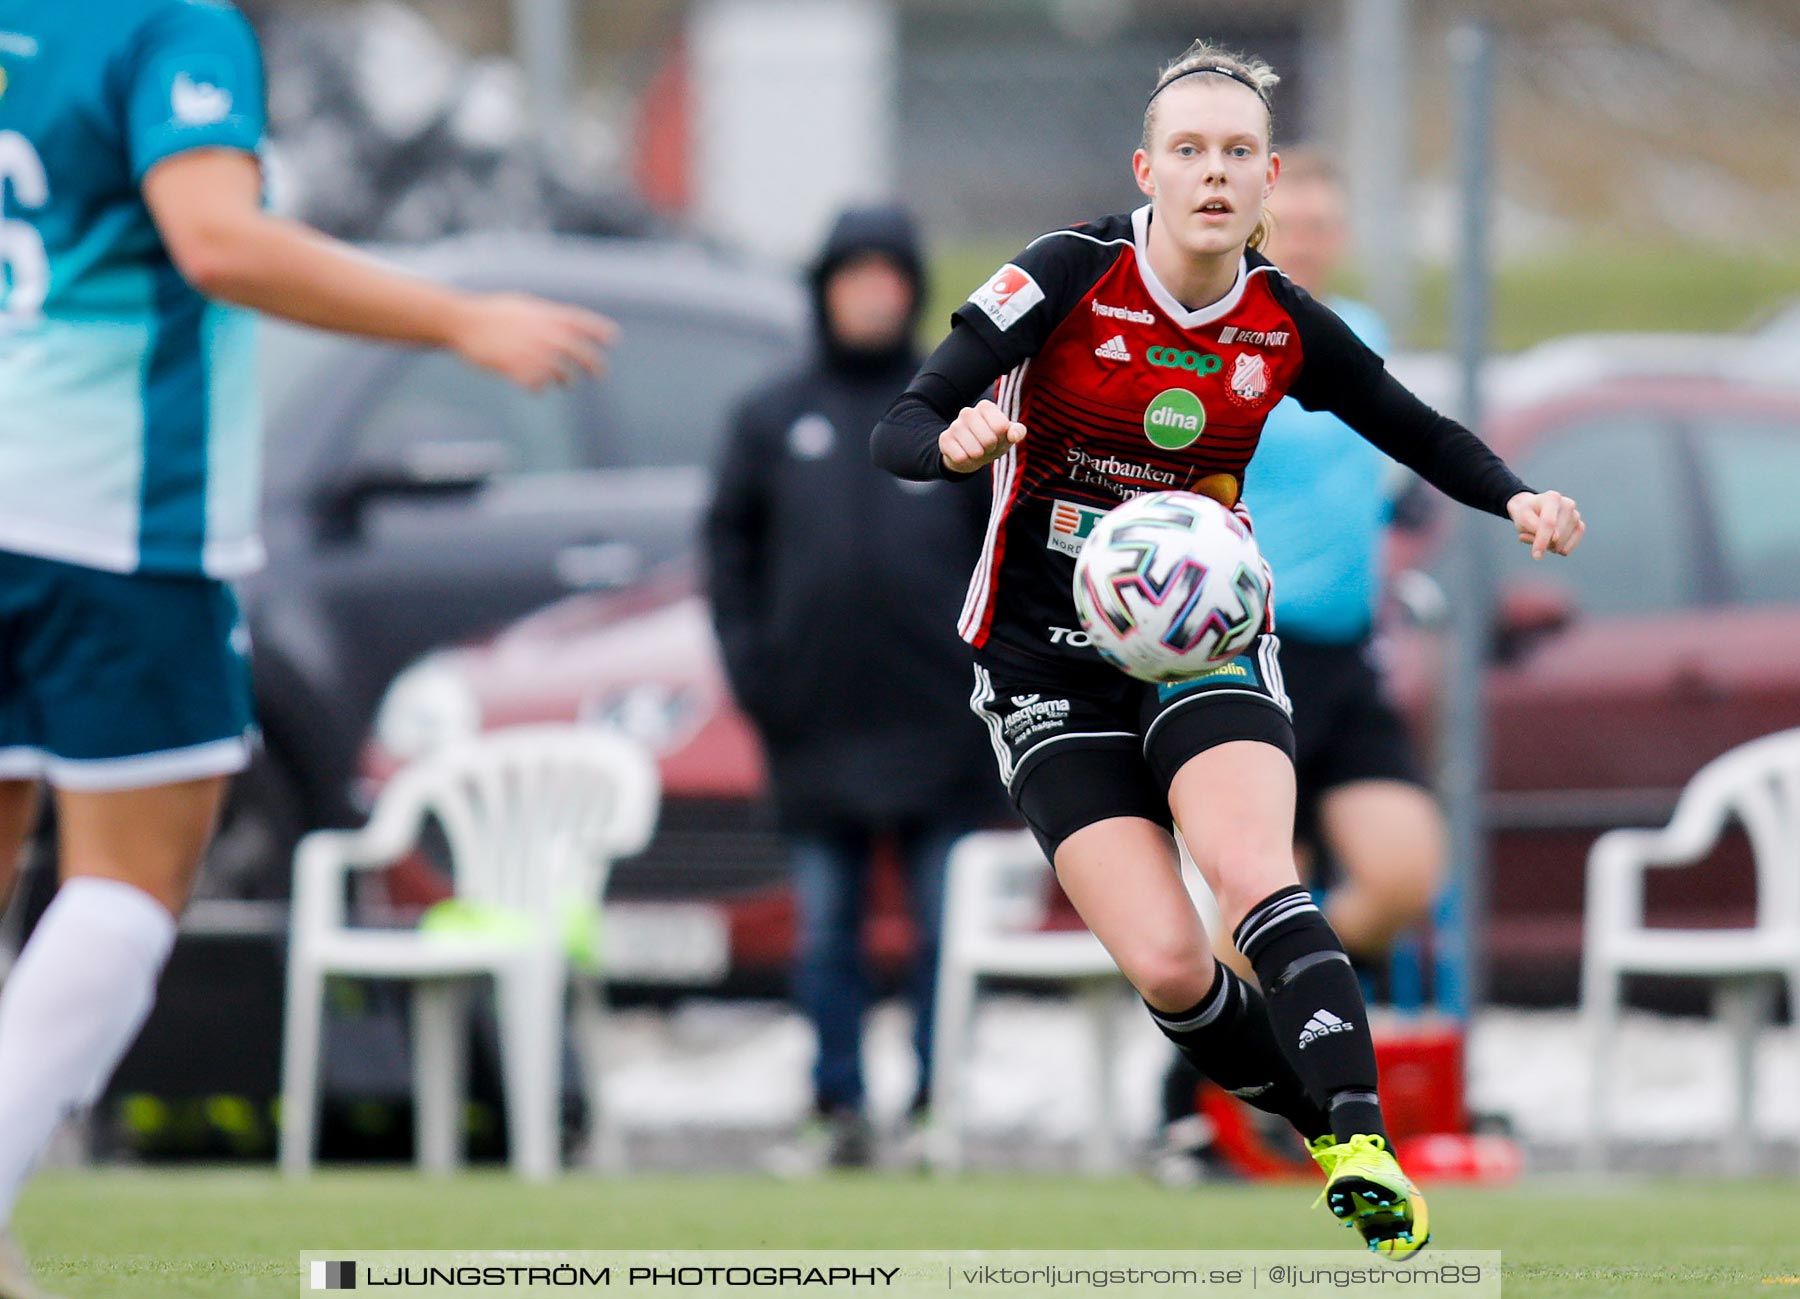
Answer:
(1170, 585)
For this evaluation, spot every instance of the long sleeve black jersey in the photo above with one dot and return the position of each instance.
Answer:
(1122, 390)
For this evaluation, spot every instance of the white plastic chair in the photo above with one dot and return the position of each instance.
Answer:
(1758, 786)
(993, 905)
(534, 818)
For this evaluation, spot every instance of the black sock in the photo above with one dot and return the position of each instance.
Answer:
(1180, 1088)
(1316, 1007)
(1227, 1037)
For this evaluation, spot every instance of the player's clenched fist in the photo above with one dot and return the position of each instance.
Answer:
(1548, 522)
(980, 435)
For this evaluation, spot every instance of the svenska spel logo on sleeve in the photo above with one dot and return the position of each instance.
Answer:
(333, 1276)
(1008, 296)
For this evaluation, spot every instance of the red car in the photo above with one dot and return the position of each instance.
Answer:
(1671, 636)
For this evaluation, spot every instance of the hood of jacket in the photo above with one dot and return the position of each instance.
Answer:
(885, 229)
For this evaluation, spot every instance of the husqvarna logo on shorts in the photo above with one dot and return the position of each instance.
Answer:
(1174, 419)
(1034, 718)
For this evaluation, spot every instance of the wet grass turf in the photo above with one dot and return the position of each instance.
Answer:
(232, 1233)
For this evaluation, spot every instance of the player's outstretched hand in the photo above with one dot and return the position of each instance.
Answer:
(532, 341)
(1547, 522)
(978, 436)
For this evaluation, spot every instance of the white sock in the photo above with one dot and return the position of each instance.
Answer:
(70, 1008)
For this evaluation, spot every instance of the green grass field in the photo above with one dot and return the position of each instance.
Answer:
(216, 1233)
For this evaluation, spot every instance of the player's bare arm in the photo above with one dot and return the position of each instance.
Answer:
(978, 436)
(207, 205)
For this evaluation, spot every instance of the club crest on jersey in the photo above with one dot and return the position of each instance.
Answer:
(1249, 378)
(1008, 296)
(1070, 525)
(1174, 419)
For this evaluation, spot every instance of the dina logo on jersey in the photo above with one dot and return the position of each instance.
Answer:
(1174, 419)
(1070, 525)
(1008, 296)
(198, 103)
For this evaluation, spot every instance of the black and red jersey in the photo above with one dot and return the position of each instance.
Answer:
(1123, 390)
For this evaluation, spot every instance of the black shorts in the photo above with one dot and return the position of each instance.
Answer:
(1078, 743)
(1345, 728)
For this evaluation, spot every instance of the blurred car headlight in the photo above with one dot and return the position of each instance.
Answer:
(428, 705)
(660, 716)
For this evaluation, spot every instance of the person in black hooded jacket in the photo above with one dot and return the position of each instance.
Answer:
(835, 591)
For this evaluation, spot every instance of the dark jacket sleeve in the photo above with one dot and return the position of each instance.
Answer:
(736, 550)
(1341, 375)
(956, 376)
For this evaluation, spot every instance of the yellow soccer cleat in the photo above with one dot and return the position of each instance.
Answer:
(1365, 1187)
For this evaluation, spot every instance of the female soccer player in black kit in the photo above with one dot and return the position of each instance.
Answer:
(1141, 353)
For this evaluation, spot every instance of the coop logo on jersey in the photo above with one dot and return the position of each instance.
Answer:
(1255, 337)
(1249, 378)
(198, 103)
(1174, 419)
(1173, 358)
(1070, 525)
(1008, 296)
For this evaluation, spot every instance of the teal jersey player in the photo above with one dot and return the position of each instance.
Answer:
(129, 425)
(131, 215)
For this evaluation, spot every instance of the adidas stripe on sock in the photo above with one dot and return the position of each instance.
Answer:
(1227, 1037)
(1315, 1007)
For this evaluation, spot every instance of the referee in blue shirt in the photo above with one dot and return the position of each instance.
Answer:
(135, 247)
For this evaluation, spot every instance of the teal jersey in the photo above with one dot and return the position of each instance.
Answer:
(129, 420)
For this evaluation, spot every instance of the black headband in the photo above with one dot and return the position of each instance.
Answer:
(1233, 73)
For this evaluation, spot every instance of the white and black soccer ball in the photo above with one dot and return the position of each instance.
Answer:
(1170, 585)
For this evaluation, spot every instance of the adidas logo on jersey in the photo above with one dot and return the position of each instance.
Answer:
(1113, 349)
(198, 103)
(1322, 1023)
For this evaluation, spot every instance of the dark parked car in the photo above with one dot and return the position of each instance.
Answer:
(1672, 635)
(412, 501)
